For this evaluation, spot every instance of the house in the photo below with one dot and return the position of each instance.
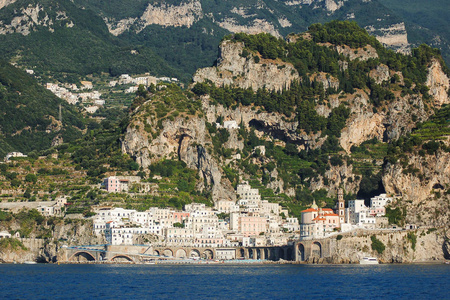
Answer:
(4, 235)
(115, 184)
(317, 222)
(13, 155)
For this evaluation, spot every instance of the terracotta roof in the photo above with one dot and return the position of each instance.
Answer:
(319, 219)
(308, 210)
(327, 209)
(332, 215)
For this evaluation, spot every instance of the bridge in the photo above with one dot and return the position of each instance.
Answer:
(311, 251)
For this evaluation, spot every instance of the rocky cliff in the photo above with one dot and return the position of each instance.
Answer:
(76, 232)
(422, 245)
(235, 69)
(422, 187)
(189, 138)
(184, 14)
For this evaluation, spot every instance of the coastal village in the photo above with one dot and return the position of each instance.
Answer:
(248, 222)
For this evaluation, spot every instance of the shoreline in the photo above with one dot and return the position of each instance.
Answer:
(221, 263)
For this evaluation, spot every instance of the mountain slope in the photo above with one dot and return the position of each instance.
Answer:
(425, 23)
(174, 38)
(56, 36)
(298, 119)
(29, 118)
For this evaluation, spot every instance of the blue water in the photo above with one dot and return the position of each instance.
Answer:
(224, 282)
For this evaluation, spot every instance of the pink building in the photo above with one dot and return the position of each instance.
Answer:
(179, 216)
(252, 225)
(114, 184)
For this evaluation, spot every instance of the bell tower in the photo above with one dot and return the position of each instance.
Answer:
(341, 206)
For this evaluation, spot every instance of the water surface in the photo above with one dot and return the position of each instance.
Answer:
(224, 281)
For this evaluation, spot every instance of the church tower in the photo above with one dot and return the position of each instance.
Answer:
(341, 206)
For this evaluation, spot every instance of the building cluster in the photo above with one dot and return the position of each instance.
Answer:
(55, 208)
(321, 222)
(248, 222)
(136, 81)
(67, 93)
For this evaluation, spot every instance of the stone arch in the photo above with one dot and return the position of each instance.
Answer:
(242, 252)
(156, 252)
(281, 253)
(301, 252)
(208, 254)
(270, 254)
(181, 253)
(290, 254)
(82, 256)
(194, 253)
(122, 258)
(168, 252)
(266, 254)
(316, 250)
(259, 253)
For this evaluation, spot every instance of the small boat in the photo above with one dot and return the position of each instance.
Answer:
(30, 262)
(368, 261)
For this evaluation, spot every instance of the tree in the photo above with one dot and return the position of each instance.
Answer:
(31, 178)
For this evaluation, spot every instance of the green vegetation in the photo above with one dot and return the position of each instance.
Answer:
(83, 49)
(377, 245)
(396, 216)
(11, 244)
(426, 138)
(412, 238)
(31, 110)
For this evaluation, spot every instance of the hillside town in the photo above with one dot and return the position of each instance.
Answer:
(92, 99)
(248, 222)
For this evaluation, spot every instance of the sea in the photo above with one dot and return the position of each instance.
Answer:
(52, 281)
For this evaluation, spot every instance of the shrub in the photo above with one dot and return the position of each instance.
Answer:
(412, 238)
(377, 245)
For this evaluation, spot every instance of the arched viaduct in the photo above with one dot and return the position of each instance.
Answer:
(300, 251)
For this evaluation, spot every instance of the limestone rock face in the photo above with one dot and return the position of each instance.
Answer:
(197, 157)
(4, 3)
(171, 142)
(399, 249)
(28, 18)
(184, 14)
(79, 232)
(385, 125)
(267, 125)
(337, 177)
(237, 71)
(380, 74)
(438, 83)
(362, 53)
(182, 138)
(255, 27)
(393, 36)
(166, 15)
(417, 190)
(328, 81)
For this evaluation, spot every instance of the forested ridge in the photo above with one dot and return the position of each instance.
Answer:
(30, 113)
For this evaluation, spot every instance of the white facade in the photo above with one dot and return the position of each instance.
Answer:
(14, 154)
(380, 201)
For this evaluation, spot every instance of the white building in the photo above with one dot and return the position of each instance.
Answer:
(226, 206)
(14, 154)
(380, 201)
